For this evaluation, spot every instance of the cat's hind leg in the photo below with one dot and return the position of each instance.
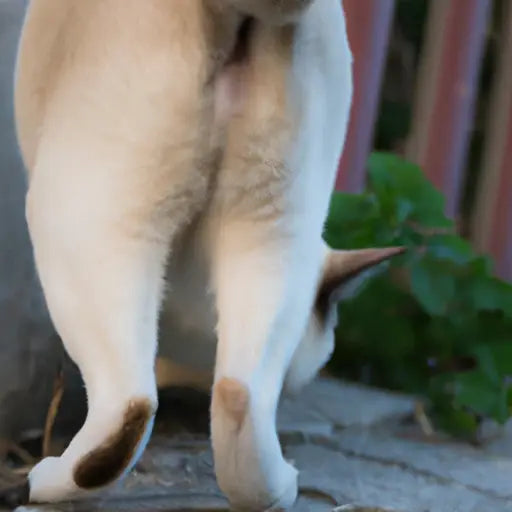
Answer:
(267, 257)
(100, 247)
(273, 195)
(102, 211)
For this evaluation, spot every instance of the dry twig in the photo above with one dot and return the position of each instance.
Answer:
(58, 390)
(423, 420)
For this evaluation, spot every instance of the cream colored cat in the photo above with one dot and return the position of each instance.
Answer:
(181, 139)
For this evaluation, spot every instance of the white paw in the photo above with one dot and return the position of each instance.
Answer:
(277, 496)
(249, 465)
(95, 459)
(51, 480)
(286, 499)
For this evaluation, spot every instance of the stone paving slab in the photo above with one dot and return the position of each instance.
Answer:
(499, 441)
(373, 484)
(344, 404)
(469, 466)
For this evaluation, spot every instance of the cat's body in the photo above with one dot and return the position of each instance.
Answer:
(174, 137)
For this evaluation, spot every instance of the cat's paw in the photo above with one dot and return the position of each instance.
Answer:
(249, 465)
(51, 480)
(280, 498)
(288, 496)
(93, 461)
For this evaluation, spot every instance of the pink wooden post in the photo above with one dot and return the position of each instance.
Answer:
(492, 219)
(446, 92)
(368, 25)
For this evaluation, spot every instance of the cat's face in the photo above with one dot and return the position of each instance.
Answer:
(342, 273)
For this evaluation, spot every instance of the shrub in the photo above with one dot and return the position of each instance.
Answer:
(435, 321)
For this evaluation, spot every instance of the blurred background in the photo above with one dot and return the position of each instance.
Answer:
(426, 164)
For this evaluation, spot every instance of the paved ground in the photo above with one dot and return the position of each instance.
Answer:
(354, 447)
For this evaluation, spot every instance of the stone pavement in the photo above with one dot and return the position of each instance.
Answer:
(357, 450)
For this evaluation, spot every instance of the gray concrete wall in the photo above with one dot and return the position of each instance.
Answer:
(28, 346)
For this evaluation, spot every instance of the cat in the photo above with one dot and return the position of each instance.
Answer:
(180, 158)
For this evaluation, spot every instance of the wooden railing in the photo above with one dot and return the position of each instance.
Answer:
(443, 113)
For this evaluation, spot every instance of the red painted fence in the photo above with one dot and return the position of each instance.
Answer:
(368, 25)
(446, 89)
(492, 219)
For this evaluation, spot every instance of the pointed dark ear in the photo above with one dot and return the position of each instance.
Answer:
(342, 266)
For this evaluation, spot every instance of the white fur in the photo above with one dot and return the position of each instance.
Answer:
(115, 189)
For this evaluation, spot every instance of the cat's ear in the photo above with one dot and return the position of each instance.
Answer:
(341, 267)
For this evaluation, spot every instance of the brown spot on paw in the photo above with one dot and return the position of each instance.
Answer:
(106, 463)
(233, 397)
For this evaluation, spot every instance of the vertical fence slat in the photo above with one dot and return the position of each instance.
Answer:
(368, 25)
(447, 86)
(492, 217)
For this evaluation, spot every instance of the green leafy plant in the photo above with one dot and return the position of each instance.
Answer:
(435, 322)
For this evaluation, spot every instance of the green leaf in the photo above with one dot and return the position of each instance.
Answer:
(491, 294)
(404, 209)
(478, 392)
(350, 209)
(432, 286)
(395, 180)
(351, 220)
(487, 364)
(482, 265)
(495, 361)
(459, 422)
(450, 247)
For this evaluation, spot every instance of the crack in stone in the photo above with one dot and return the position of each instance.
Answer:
(334, 445)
